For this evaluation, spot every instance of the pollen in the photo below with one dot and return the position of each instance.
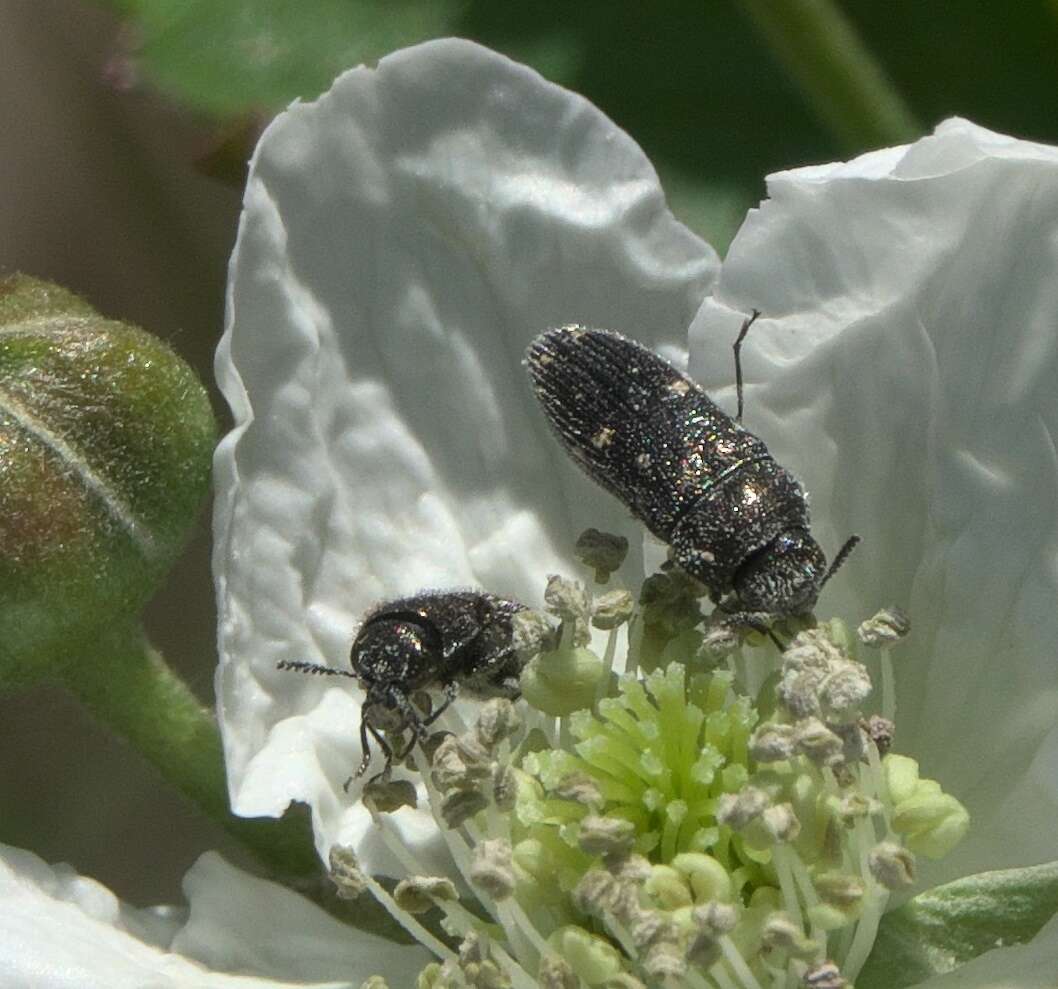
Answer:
(603, 438)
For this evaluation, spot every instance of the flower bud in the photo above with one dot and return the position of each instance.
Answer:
(901, 777)
(592, 958)
(708, 879)
(107, 438)
(932, 823)
(667, 888)
(561, 682)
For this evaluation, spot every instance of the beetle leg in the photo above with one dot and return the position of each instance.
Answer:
(412, 718)
(365, 760)
(366, 726)
(753, 621)
(451, 690)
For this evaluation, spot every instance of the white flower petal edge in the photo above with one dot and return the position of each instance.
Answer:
(905, 368)
(403, 238)
(60, 930)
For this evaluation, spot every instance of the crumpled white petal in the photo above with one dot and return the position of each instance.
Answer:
(59, 930)
(906, 368)
(403, 239)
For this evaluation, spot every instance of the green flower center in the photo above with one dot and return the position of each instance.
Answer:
(722, 816)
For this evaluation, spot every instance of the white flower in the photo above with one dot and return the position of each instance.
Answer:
(59, 930)
(907, 368)
(408, 234)
(403, 240)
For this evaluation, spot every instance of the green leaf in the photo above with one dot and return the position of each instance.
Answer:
(230, 56)
(945, 927)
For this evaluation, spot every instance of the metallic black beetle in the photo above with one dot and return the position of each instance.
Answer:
(734, 518)
(435, 640)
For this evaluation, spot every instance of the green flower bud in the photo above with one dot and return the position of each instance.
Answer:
(561, 682)
(708, 879)
(901, 777)
(106, 437)
(592, 958)
(667, 888)
(932, 823)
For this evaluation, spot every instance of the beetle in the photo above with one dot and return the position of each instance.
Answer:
(435, 640)
(735, 519)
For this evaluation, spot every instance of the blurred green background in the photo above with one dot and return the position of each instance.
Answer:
(126, 126)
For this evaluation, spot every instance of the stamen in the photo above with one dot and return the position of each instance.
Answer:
(684, 816)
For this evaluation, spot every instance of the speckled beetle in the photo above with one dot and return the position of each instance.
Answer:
(435, 640)
(697, 479)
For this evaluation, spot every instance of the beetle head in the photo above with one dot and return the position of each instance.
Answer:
(390, 652)
(785, 577)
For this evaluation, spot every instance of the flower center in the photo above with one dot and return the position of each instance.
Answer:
(723, 815)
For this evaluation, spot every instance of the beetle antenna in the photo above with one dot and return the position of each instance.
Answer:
(747, 323)
(302, 667)
(843, 555)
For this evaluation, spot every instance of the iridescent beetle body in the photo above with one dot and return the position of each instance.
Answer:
(735, 519)
(436, 640)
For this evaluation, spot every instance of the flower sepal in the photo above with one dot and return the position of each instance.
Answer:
(948, 926)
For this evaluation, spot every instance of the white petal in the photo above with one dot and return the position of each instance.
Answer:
(905, 368)
(403, 239)
(60, 930)
(241, 923)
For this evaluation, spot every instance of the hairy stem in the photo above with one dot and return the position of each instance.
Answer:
(128, 687)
